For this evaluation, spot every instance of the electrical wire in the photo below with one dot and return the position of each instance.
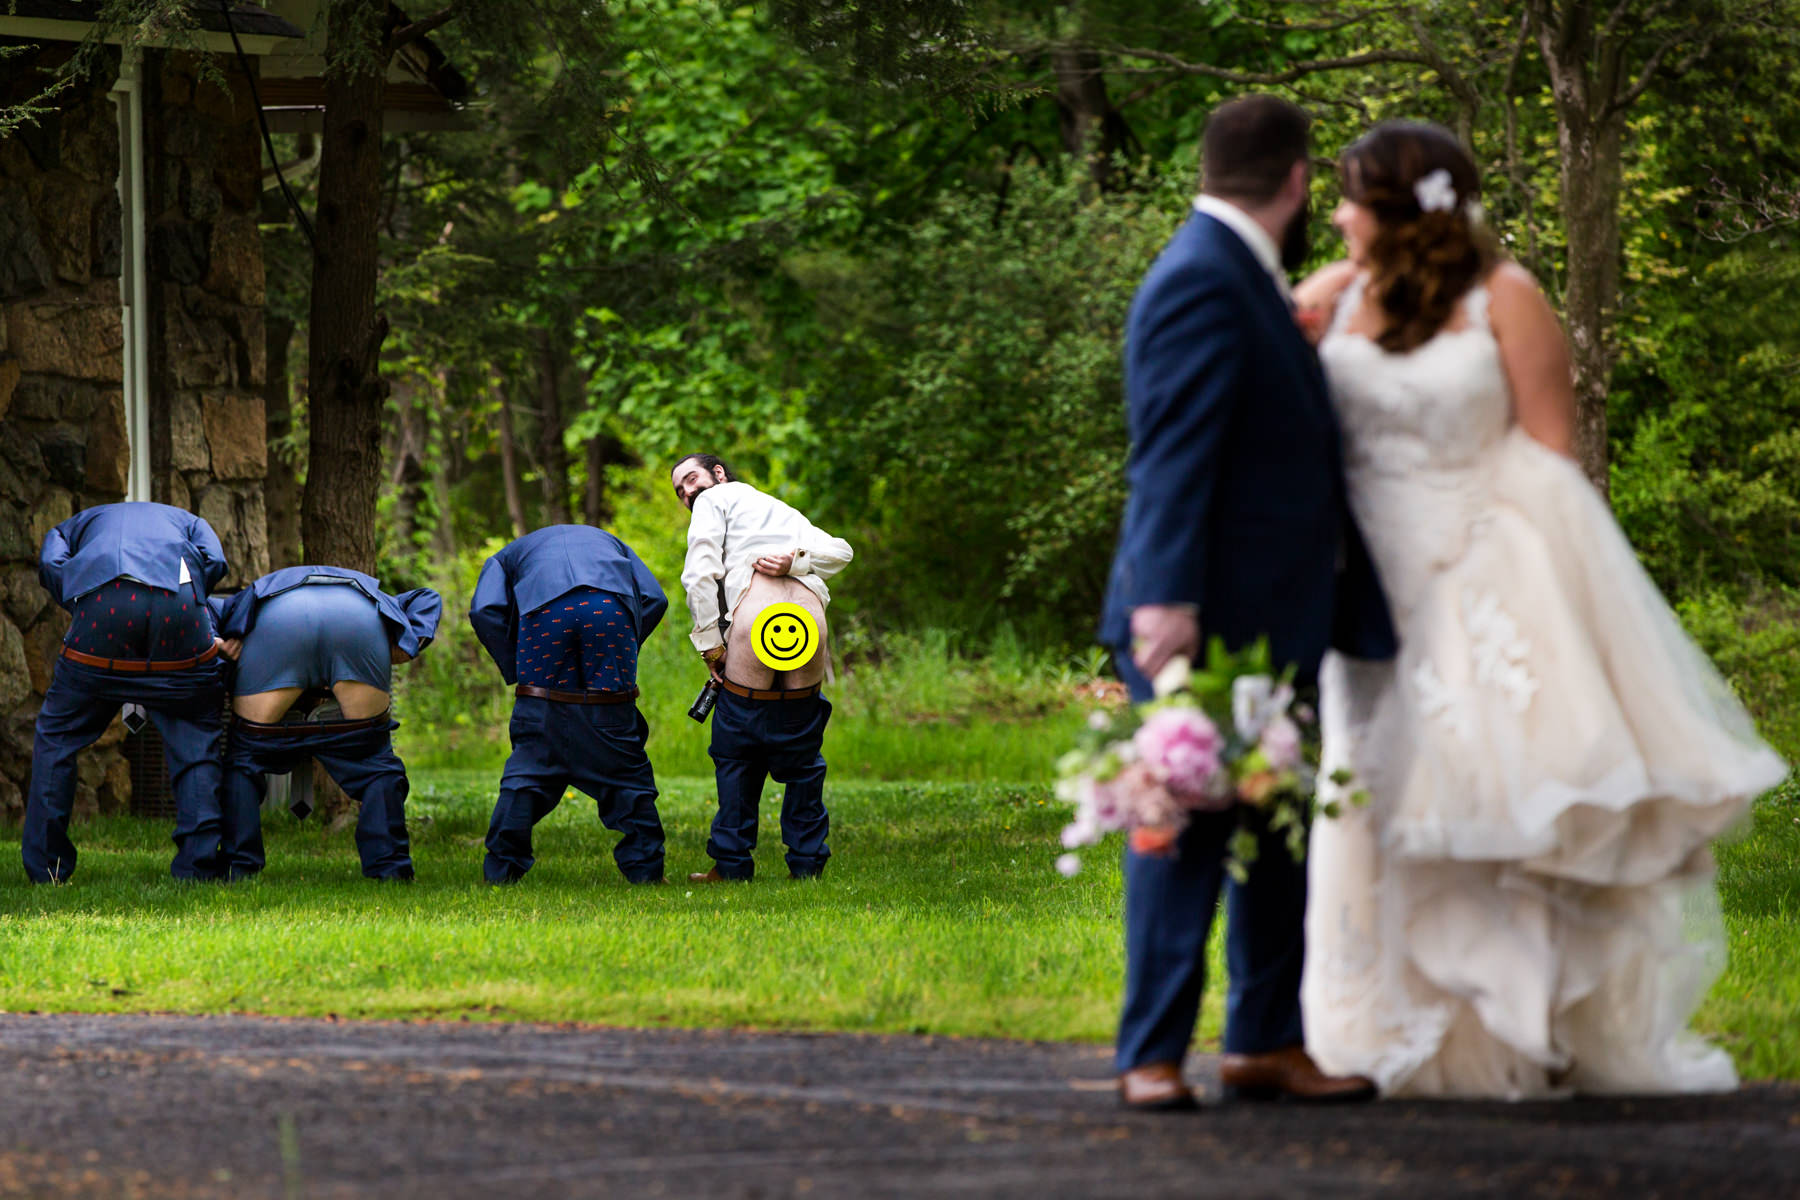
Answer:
(263, 121)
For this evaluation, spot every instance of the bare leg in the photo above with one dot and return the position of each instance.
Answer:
(741, 664)
(358, 700)
(266, 708)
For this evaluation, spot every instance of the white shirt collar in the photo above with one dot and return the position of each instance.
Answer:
(1251, 233)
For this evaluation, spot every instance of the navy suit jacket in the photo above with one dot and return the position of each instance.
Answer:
(411, 617)
(133, 539)
(549, 563)
(1237, 501)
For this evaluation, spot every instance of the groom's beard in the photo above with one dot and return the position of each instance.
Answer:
(1296, 240)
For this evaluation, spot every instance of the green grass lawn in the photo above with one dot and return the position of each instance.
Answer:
(940, 913)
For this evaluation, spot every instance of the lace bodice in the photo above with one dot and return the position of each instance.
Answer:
(1436, 407)
(1417, 429)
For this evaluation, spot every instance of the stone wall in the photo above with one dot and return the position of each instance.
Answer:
(63, 443)
(63, 435)
(208, 358)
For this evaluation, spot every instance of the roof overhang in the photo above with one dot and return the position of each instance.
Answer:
(259, 31)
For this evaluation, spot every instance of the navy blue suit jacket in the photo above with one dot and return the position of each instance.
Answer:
(135, 539)
(1237, 499)
(551, 562)
(411, 617)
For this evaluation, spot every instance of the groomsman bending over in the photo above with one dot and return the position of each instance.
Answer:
(746, 551)
(311, 630)
(563, 611)
(134, 577)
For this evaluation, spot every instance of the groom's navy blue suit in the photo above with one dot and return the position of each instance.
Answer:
(1237, 507)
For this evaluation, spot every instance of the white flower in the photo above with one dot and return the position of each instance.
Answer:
(1068, 865)
(1255, 701)
(1098, 721)
(1436, 192)
(1475, 214)
(1173, 677)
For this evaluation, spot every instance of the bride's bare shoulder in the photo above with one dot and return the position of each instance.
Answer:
(1510, 283)
(1516, 303)
(1322, 288)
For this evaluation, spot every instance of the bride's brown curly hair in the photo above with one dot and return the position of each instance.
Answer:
(1420, 262)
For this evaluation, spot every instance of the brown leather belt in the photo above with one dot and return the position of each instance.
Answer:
(308, 728)
(538, 693)
(738, 689)
(140, 666)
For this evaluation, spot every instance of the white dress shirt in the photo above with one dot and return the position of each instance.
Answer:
(1252, 234)
(733, 526)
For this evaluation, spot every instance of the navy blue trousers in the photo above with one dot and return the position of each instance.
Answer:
(359, 755)
(757, 740)
(187, 707)
(1169, 906)
(598, 748)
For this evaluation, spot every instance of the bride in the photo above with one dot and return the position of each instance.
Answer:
(1524, 904)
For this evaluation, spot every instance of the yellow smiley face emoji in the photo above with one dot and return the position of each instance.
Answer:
(784, 636)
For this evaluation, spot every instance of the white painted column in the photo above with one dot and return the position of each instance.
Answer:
(128, 96)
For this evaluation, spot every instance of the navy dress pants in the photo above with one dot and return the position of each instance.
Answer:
(757, 740)
(1169, 905)
(598, 748)
(359, 755)
(187, 707)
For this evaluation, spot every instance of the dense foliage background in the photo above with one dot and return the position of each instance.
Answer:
(878, 255)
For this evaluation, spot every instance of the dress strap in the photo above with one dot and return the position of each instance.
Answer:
(1475, 306)
(1347, 301)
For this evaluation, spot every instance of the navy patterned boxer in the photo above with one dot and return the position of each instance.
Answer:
(562, 611)
(133, 577)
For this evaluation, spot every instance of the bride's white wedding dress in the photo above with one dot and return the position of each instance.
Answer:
(1525, 905)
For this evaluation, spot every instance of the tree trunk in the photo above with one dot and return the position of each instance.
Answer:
(509, 461)
(1592, 180)
(1584, 83)
(410, 476)
(594, 507)
(1092, 129)
(281, 486)
(441, 463)
(553, 456)
(603, 451)
(344, 385)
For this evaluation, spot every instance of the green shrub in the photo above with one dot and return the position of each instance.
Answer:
(1757, 646)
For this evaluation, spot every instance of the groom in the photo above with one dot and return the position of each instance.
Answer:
(1236, 527)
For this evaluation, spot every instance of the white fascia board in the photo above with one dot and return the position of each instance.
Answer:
(44, 29)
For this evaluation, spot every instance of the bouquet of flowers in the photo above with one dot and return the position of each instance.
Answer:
(1229, 736)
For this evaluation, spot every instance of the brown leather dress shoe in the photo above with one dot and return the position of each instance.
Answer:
(1156, 1087)
(1288, 1074)
(711, 876)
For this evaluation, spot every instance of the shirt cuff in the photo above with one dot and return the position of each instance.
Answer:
(802, 563)
(706, 638)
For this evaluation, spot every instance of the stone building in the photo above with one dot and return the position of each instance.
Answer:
(132, 347)
(131, 341)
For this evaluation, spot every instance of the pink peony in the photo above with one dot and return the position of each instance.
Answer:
(1280, 744)
(1181, 747)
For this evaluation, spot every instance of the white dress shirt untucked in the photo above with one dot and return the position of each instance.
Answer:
(734, 525)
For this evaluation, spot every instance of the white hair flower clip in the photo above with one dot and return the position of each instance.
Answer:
(1436, 192)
